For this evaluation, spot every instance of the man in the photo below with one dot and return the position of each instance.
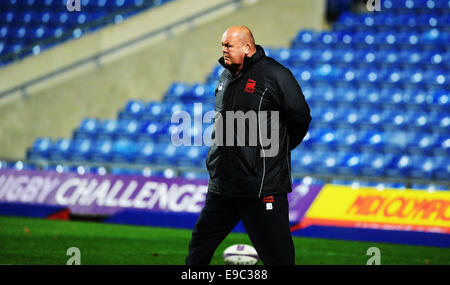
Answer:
(246, 182)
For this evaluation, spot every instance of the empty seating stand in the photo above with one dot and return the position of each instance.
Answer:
(377, 84)
(27, 27)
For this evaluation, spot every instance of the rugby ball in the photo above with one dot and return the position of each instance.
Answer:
(240, 254)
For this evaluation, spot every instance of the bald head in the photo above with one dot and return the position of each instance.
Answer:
(242, 33)
(237, 43)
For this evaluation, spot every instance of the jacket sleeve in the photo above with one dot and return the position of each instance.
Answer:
(293, 106)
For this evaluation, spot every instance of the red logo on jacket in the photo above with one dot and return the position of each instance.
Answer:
(268, 199)
(250, 86)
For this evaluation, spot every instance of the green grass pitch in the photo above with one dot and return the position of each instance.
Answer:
(39, 241)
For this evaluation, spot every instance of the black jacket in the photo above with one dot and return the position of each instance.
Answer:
(245, 170)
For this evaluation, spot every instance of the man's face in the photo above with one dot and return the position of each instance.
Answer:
(232, 49)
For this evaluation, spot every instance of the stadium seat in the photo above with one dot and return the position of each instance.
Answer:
(123, 150)
(400, 166)
(101, 150)
(88, 129)
(144, 152)
(165, 154)
(442, 168)
(79, 149)
(327, 163)
(127, 129)
(40, 149)
(373, 141)
(133, 110)
(425, 167)
(151, 130)
(422, 143)
(442, 146)
(191, 156)
(350, 164)
(348, 139)
(302, 161)
(59, 151)
(154, 111)
(107, 129)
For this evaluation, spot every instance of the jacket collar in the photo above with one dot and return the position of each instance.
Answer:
(248, 61)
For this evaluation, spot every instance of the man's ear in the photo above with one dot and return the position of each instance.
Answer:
(246, 49)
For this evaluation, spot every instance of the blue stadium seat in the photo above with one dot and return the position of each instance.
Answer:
(40, 149)
(107, 129)
(350, 164)
(101, 150)
(375, 164)
(60, 150)
(127, 129)
(165, 154)
(170, 130)
(394, 119)
(326, 139)
(132, 110)
(330, 117)
(425, 167)
(305, 38)
(346, 95)
(440, 99)
(416, 99)
(328, 163)
(176, 91)
(373, 141)
(400, 166)
(144, 152)
(302, 161)
(443, 119)
(80, 149)
(442, 146)
(442, 169)
(422, 121)
(191, 156)
(123, 150)
(154, 111)
(348, 139)
(422, 143)
(151, 130)
(88, 128)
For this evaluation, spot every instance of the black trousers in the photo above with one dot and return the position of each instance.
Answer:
(267, 227)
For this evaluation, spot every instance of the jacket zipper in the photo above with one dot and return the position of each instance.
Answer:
(262, 148)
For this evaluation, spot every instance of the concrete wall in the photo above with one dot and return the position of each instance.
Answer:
(56, 109)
